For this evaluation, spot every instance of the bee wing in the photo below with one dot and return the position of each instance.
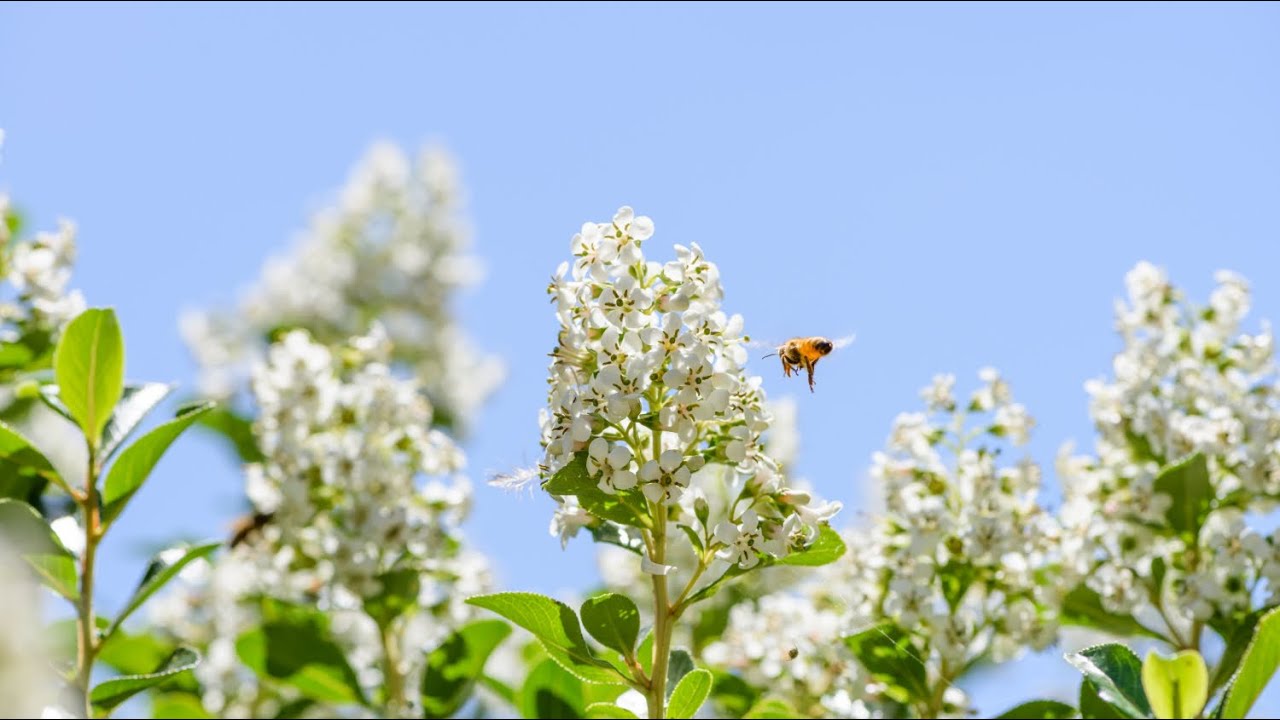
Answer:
(772, 347)
(843, 342)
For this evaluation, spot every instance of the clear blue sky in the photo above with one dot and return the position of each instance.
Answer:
(959, 185)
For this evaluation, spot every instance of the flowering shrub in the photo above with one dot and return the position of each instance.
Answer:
(349, 589)
(648, 392)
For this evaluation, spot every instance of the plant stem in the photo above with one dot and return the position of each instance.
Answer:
(662, 620)
(87, 645)
(393, 677)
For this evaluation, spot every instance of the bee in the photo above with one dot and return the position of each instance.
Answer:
(804, 353)
(248, 525)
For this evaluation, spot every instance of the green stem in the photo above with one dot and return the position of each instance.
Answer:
(87, 646)
(393, 676)
(662, 618)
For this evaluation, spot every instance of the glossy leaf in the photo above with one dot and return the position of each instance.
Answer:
(294, 646)
(1187, 484)
(178, 705)
(1040, 710)
(573, 479)
(613, 620)
(1116, 675)
(398, 595)
(137, 461)
(826, 548)
(888, 656)
(454, 667)
(1176, 687)
(769, 707)
(1241, 637)
(689, 694)
(609, 711)
(550, 691)
(1093, 707)
(679, 664)
(1083, 607)
(164, 566)
(20, 460)
(135, 404)
(29, 534)
(88, 365)
(110, 693)
(1257, 665)
(556, 627)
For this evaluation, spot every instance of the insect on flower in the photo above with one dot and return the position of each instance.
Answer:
(805, 352)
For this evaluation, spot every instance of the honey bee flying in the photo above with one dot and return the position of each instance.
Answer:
(805, 352)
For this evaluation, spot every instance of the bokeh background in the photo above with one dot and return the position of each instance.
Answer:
(959, 185)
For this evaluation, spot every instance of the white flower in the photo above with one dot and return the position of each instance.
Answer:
(568, 519)
(393, 247)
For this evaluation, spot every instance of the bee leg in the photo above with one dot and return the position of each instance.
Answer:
(809, 366)
(786, 367)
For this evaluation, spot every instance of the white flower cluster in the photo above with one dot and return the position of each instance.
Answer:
(346, 443)
(963, 556)
(39, 271)
(392, 249)
(790, 644)
(648, 380)
(1188, 380)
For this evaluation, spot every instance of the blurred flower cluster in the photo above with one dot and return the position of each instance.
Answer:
(790, 644)
(963, 559)
(39, 271)
(346, 443)
(392, 249)
(648, 381)
(1188, 380)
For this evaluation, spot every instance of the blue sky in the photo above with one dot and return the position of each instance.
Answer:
(960, 185)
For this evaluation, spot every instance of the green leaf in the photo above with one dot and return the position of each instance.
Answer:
(235, 429)
(293, 645)
(1241, 637)
(573, 479)
(110, 693)
(644, 653)
(679, 664)
(1176, 687)
(550, 691)
(88, 365)
(556, 627)
(1082, 606)
(1116, 674)
(1256, 667)
(888, 656)
(613, 620)
(1093, 707)
(770, 707)
(177, 705)
(733, 694)
(14, 355)
(163, 567)
(135, 404)
(130, 654)
(497, 687)
(136, 462)
(625, 537)
(398, 595)
(956, 579)
(1187, 484)
(608, 711)
(826, 548)
(454, 667)
(689, 694)
(21, 462)
(36, 542)
(1040, 710)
